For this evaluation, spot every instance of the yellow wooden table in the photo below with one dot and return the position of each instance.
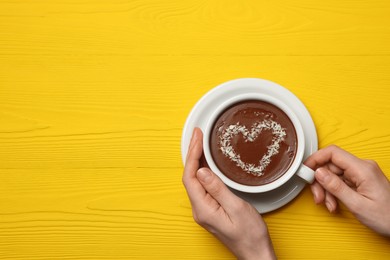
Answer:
(94, 95)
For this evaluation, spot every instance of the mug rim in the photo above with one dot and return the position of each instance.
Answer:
(297, 162)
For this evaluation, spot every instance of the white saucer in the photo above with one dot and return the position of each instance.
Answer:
(272, 200)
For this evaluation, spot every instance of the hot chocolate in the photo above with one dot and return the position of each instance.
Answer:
(253, 142)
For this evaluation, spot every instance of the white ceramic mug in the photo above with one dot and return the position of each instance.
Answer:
(297, 167)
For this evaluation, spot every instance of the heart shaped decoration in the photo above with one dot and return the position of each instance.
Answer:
(229, 132)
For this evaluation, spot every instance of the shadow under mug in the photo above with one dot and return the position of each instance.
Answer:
(296, 168)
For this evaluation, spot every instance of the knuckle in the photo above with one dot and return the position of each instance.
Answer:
(336, 186)
(201, 218)
(184, 180)
(197, 218)
(333, 147)
(215, 188)
(371, 164)
(238, 207)
(241, 206)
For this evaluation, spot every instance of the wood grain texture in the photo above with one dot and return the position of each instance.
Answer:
(94, 95)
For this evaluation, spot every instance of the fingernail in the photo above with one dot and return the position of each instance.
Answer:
(193, 138)
(315, 195)
(329, 206)
(203, 175)
(192, 143)
(322, 175)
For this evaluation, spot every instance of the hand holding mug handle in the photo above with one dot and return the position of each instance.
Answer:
(359, 184)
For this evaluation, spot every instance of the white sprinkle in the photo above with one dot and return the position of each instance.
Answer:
(229, 132)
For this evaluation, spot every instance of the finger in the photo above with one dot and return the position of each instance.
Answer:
(322, 196)
(349, 183)
(318, 192)
(330, 202)
(218, 190)
(333, 168)
(194, 154)
(194, 189)
(334, 185)
(194, 139)
(335, 155)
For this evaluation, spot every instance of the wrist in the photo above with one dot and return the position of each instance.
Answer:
(265, 251)
(264, 255)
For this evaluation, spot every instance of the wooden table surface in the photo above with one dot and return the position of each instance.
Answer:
(94, 95)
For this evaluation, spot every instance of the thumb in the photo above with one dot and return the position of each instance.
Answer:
(337, 187)
(217, 189)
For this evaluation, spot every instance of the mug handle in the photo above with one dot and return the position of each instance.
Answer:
(306, 174)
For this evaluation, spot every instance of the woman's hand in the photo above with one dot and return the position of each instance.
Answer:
(359, 184)
(233, 221)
